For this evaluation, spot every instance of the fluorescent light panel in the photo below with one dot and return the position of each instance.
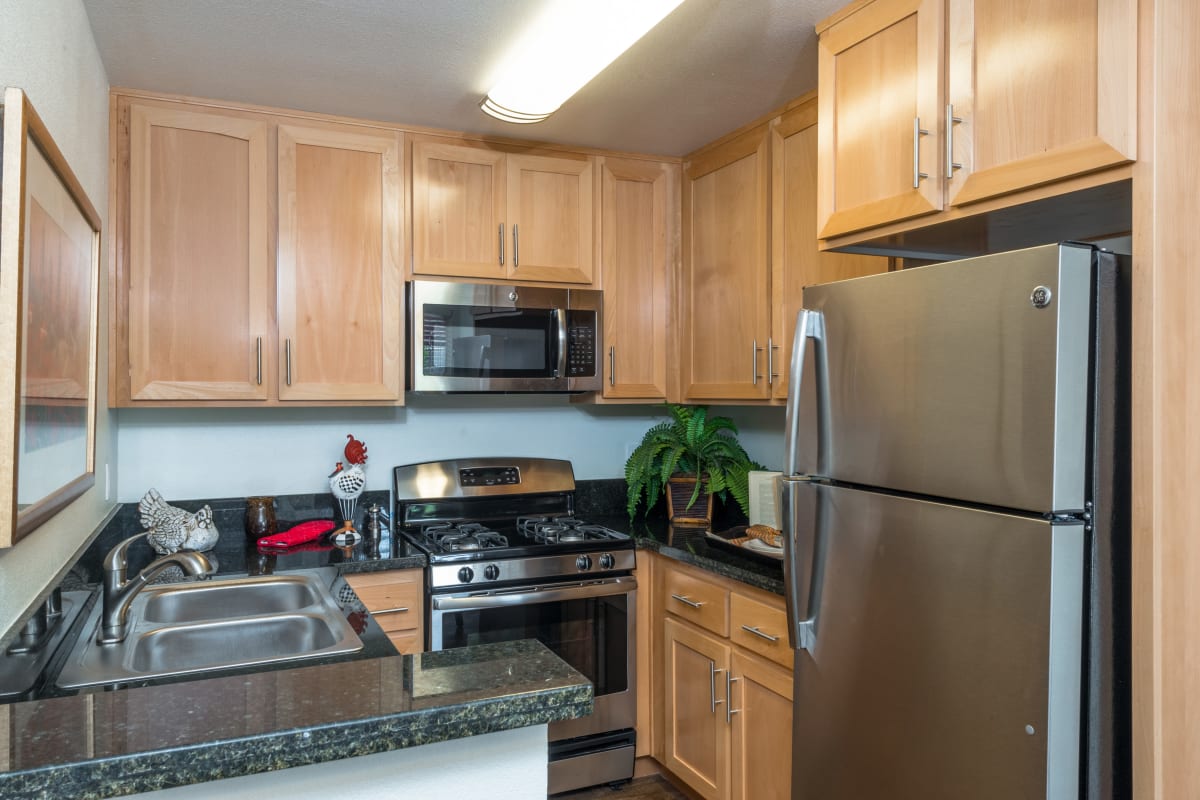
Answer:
(568, 46)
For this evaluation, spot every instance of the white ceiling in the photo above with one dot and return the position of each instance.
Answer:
(709, 67)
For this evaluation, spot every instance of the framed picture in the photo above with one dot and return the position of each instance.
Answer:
(49, 280)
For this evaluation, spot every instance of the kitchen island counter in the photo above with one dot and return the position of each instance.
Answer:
(115, 743)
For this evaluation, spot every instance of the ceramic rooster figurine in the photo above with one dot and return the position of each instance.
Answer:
(171, 529)
(347, 483)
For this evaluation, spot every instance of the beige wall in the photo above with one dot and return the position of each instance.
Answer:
(47, 49)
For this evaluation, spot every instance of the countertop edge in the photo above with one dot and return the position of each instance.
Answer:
(163, 769)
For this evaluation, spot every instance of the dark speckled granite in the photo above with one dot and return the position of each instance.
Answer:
(603, 502)
(158, 737)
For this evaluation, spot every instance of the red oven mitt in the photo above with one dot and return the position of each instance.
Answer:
(298, 534)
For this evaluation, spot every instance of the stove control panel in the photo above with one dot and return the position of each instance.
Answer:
(489, 476)
(443, 576)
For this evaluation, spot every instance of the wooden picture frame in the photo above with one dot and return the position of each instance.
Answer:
(49, 291)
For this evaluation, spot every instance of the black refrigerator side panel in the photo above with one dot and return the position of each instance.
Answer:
(1108, 702)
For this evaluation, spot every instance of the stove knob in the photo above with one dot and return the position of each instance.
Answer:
(466, 574)
(491, 572)
(607, 561)
(583, 563)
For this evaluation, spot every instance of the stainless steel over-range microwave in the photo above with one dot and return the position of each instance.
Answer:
(466, 337)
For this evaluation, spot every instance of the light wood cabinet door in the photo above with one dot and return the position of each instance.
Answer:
(697, 737)
(725, 295)
(396, 600)
(459, 225)
(199, 321)
(795, 260)
(761, 698)
(635, 260)
(1044, 91)
(550, 214)
(880, 89)
(339, 271)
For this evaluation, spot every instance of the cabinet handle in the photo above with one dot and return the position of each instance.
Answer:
(258, 361)
(612, 366)
(501, 244)
(287, 360)
(951, 121)
(754, 358)
(757, 632)
(712, 686)
(686, 601)
(729, 709)
(918, 132)
(516, 247)
(771, 348)
(397, 610)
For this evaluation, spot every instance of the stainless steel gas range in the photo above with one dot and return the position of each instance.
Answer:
(508, 560)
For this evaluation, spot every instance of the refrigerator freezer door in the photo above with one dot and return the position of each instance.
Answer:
(942, 659)
(965, 380)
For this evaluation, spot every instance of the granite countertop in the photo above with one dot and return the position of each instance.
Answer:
(690, 545)
(108, 744)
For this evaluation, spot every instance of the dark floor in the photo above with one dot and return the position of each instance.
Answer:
(654, 787)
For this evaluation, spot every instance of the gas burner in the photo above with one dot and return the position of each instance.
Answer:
(462, 537)
(562, 530)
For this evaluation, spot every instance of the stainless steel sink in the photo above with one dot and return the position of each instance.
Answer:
(180, 629)
(196, 602)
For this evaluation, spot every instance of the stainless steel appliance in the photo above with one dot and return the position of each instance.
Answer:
(507, 561)
(956, 509)
(492, 338)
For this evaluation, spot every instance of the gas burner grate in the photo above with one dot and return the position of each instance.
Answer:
(463, 537)
(562, 530)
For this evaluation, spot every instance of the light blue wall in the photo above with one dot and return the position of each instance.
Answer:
(204, 453)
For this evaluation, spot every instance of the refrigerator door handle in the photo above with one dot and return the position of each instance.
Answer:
(809, 325)
(802, 521)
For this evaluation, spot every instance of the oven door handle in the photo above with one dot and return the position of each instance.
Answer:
(546, 594)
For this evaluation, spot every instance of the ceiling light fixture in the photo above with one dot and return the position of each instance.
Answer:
(567, 47)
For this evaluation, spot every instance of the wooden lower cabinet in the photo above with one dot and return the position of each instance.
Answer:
(727, 709)
(761, 707)
(396, 601)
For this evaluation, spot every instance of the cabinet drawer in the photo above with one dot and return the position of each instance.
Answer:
(760, 628)
(393, 598)
(699, 601)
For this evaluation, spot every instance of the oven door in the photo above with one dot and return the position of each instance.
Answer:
(589, 624)
(482, 338)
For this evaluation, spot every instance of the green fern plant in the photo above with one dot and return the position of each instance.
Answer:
(690, 443)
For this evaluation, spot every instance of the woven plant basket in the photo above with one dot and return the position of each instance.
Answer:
(679, 491)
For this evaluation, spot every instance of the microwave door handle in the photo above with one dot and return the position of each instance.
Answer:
(809, 325)
(560, 321)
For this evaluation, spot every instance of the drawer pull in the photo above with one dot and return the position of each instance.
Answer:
(757, 632)
(686, 601)
(397, 610)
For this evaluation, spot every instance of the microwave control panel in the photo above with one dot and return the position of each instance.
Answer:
(581, 344)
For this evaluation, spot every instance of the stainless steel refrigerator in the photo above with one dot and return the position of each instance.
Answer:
(956, 515)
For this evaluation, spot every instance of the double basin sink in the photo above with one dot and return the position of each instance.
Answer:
(196, 627)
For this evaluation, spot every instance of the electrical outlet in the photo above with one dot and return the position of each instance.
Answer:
(107, 484)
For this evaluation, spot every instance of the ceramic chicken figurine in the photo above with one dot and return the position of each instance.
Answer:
(172, 529)
(347, 483)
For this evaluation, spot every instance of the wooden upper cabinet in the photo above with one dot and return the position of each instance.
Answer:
(724, 287)
(635, 258)
(550, 214)
(1044, 91)
(880, 90)
(340, 282)
(795, 262)
(459, 221)
(199, 325)
(480, 212)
